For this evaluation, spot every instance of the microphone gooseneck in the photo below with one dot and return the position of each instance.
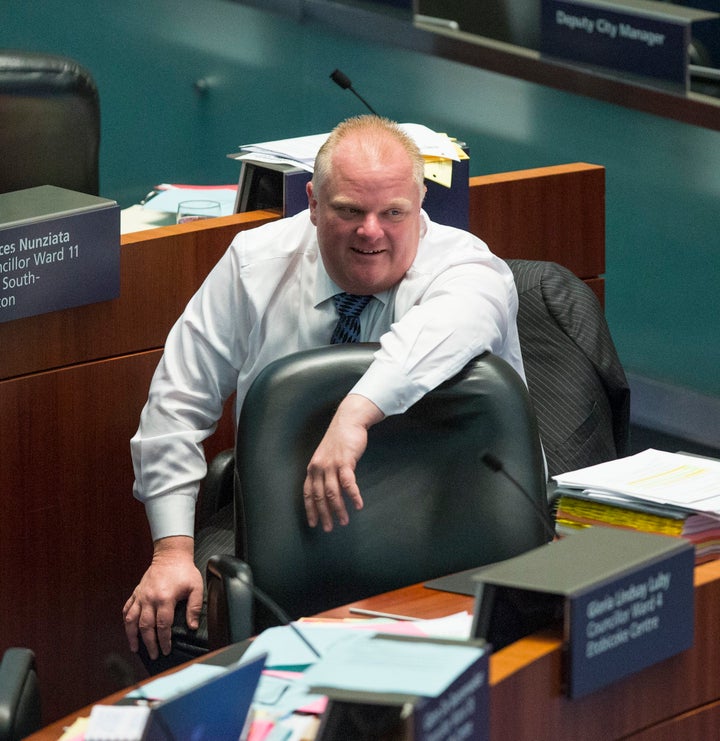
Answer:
(280, 614)
(341, 79)
(496, 465)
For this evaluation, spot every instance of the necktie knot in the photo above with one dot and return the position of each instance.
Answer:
(349, 307)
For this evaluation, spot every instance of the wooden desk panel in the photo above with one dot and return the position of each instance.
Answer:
(548, 213)
(160, 269)
(679, 698)
(679, 695)
(73, 541)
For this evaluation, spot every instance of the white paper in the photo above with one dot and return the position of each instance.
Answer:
(302, 150)
(370, 664)
(117, 723)
(655, 476)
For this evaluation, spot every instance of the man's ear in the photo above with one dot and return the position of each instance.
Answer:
(312, 201)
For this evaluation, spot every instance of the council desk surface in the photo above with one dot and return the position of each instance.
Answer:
(679, 698)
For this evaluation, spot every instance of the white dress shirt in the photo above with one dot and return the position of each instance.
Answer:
(269, 296)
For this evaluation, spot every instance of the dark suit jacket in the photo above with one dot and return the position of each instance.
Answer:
(576, 381)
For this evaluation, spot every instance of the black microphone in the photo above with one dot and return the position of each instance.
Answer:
(228, 567)
(341, 79)
(281, 615)
(495, 464)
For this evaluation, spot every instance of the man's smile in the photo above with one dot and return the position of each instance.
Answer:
(366, 252)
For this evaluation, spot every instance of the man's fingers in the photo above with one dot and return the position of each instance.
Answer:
(316, 507)
(163, 625)
(348, 482)
(194, 607)
(146, 624)
(131, 613)
(311, 512)
(324, 500)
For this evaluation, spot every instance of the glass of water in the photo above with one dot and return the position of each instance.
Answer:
(197, 209)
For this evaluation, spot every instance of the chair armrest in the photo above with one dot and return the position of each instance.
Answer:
(217, 487)
(19, 694)
(229, 601)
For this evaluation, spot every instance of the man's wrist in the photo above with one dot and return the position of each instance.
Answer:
(174, 545)
(360, 410)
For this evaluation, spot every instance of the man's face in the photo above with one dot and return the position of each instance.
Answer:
(367, 215)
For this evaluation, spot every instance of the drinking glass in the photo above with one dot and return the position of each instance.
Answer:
(197, 209)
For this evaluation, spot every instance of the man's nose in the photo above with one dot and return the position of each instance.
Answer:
(371, 228)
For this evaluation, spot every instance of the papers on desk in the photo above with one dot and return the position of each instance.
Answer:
(369, 662)
(284, 648)
(299, 151)
(653, 492)
(165, 688)
(439, 151)
(685, 481)
(284, 687)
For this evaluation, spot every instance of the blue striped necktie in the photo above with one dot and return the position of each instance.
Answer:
(349, 307)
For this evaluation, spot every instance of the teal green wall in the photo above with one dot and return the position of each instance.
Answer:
(268, 78)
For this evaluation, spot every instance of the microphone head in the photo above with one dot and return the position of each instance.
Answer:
(341, 79)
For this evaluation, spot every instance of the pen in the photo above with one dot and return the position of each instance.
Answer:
(375, 613)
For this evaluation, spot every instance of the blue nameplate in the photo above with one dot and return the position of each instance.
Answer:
(644, 38)
(630, 623)
(625, 600)
(58, 249)
(462, 711)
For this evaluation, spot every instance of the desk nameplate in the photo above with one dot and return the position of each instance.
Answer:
(640, 37)
(625, 600)
(58, 249)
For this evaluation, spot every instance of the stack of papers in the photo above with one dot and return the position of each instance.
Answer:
(655, 476)
(652, 491)
(439, 151)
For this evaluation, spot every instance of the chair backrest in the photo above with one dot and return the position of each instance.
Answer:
(576, 381)
(49, 123)
(432, 507)
(19, 695)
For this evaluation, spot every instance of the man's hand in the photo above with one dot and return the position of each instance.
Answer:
(331, 471)
(172, 576)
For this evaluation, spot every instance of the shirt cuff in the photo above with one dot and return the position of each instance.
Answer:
(388, 388)
(171, 514)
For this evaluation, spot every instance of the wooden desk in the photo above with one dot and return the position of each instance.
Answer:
(679, 698)
(73, 541)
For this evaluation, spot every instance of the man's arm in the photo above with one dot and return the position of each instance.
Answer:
(331, 471)
(171, 577)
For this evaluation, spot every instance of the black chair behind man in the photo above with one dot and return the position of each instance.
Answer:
(49, 123)
(19, 695)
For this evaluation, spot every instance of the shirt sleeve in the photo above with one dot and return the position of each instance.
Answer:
(196, 374)
(463, 311)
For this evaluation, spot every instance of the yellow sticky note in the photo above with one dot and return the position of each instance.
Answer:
(439, 171)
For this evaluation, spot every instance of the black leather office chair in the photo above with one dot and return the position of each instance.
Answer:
(49, 123)
(577, 387)
(576, 381)
(19, 695)
(432, 507)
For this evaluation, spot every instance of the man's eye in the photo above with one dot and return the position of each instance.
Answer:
(395, 213)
